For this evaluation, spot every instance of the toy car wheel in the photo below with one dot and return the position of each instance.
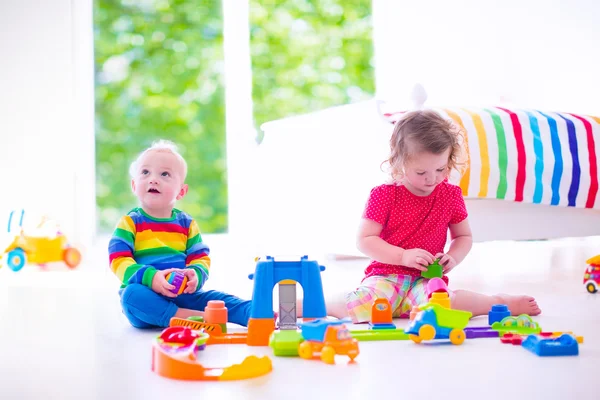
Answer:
(72, 257)
(328, 355)
(415, 338)
(457, 336)
(591, 287)
(427, 332)
(305, 350)
(16, 259)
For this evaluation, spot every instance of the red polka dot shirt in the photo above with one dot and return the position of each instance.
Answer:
(410, 221)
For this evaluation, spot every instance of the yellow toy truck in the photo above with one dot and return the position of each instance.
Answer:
(39, 249)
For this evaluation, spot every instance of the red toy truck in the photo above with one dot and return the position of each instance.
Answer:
(591, 278)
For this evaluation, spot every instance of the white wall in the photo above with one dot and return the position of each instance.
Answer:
(317, 169)
(532, 53)
(46, 133)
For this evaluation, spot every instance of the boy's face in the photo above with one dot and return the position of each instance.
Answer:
(158, 182)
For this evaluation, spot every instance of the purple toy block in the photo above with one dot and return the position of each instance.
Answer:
(481, 332)
(177, 279)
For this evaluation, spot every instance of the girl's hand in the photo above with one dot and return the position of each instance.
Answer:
(446, 261)
(416, 258)
(192, 283)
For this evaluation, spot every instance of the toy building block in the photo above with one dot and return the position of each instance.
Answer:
(381, 315)
(512, 338)
(434, 270)
(498, 313)
(216, 313)
(285, 342)
(436, 285)
(565, 345)
(440, 298)
(177, 279)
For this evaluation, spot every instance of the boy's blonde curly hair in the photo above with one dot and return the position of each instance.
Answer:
(163, 146)
(425, 130)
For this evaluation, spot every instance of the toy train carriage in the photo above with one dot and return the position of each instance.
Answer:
(437, 322)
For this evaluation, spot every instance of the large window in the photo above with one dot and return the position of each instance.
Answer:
(309, 55)
(159, 74)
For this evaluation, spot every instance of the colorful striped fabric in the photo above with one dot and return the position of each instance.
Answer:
(141, 245)
(528, 155)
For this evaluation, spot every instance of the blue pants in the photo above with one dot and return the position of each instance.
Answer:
(144, 308)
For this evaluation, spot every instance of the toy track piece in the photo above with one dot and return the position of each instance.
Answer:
(187, 368)
(564, 345)
(211, 329)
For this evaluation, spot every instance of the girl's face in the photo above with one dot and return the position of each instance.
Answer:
(424, 171)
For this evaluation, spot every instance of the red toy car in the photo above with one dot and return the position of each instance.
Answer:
(591, 278)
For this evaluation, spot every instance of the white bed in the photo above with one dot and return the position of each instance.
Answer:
(315, 172)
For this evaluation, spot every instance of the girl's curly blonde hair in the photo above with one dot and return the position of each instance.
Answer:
(425, 130)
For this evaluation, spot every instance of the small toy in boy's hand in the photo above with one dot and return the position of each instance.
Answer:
(433, 271)
(177, 279)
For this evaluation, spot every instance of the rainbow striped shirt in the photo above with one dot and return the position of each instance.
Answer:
(141, 245)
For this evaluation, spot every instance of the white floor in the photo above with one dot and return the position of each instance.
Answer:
(63, 336)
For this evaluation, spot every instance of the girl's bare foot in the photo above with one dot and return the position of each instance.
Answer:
(519, 304)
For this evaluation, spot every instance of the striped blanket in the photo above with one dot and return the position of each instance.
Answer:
(528, 155)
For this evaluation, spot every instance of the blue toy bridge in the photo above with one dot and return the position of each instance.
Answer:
(269, 272)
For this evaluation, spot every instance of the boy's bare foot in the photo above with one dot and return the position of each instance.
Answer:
(519, 304)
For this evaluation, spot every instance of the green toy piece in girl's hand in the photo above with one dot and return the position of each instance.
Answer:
(434, 270)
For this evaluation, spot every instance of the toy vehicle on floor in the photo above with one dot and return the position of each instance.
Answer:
(591, 278)
(329, 338)
(437, 322)
(178, 337)
(39, 249)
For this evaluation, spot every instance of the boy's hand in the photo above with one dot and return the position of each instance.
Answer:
(192, 283)
(416, 258)
(160, 284)
(446, 261)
